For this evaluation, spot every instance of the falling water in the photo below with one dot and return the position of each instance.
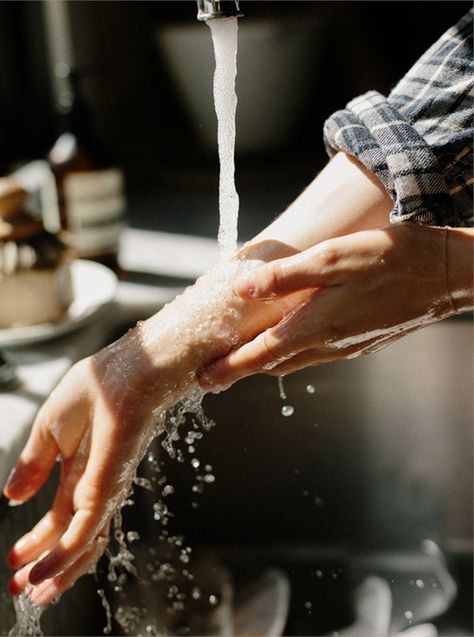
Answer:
(224, 38)
(27, 618)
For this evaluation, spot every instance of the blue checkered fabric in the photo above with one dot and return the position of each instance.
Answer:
(418, 141)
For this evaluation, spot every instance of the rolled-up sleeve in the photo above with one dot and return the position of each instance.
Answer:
(418, 141)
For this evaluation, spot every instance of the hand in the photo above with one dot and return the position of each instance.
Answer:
(82, 422)
(365, 290)
(101, 417)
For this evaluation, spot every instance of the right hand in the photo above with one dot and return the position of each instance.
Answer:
(364, 291)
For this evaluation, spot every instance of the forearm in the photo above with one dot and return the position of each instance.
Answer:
(159, 358)
(344, 198)
(209, 319)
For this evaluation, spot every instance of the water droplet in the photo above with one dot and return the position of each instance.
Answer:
(196, 593)
(178, 606)
(167, 490)
(409, 615)
(287, 410)
(213, 601)
(172, 590)
(308, 605)
(144, 483)
(319, 573)
(310, 389)
(281, 388)
(209, 477)
(108, 612)
(132, 536)
(195, 463)
(318, 502)
(420, 583)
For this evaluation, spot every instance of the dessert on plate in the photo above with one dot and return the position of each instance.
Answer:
(35, 266)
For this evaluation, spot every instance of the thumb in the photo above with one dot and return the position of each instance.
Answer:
(316, 267)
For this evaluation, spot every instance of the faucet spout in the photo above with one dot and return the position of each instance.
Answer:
(213, 9)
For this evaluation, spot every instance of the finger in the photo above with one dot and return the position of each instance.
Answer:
(57, 585)
(34, 465)
(315, 357)
(73, 543)
(319, 266)
(52, 526)
(40, 539)
(19, 581)
(259, 355)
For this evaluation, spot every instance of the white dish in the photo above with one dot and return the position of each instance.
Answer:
(94, 287)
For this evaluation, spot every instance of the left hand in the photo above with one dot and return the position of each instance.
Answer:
(365, 290)
(96, 424)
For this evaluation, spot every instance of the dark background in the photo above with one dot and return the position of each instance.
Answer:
(140, 116)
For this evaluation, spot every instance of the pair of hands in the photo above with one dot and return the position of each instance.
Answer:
(365, 290)
(361, 291)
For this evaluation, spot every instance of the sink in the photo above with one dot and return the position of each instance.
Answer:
(375, 460)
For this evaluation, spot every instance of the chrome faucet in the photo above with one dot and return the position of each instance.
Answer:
(212, 9)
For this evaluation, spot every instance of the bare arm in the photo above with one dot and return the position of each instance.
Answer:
(101, 417)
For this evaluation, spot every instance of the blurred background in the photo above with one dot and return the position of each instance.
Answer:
(377, 460)
(147, 81)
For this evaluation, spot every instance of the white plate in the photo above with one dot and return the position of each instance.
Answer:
(94, 287)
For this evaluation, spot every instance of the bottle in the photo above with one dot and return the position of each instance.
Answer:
(90, 187)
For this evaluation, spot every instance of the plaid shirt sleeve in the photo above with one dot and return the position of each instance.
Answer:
(418, 141)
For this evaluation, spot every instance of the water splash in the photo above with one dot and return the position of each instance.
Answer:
(281, 388)
(28, 617)
(120, 557)
(108, 612)
(286, 410)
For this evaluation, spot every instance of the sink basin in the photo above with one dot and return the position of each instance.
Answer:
(375, 460)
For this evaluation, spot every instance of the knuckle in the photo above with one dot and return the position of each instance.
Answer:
(327, 255)
(273, 279)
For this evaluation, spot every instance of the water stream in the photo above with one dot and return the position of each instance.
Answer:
(224, 38)
(120, 556)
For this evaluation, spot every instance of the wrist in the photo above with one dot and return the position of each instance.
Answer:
(122, 372)
(459, 267)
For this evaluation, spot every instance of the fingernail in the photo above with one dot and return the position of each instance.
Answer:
(15, 482)
(15, 503)
(12, 478)
(41, 571)
(245, 287)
